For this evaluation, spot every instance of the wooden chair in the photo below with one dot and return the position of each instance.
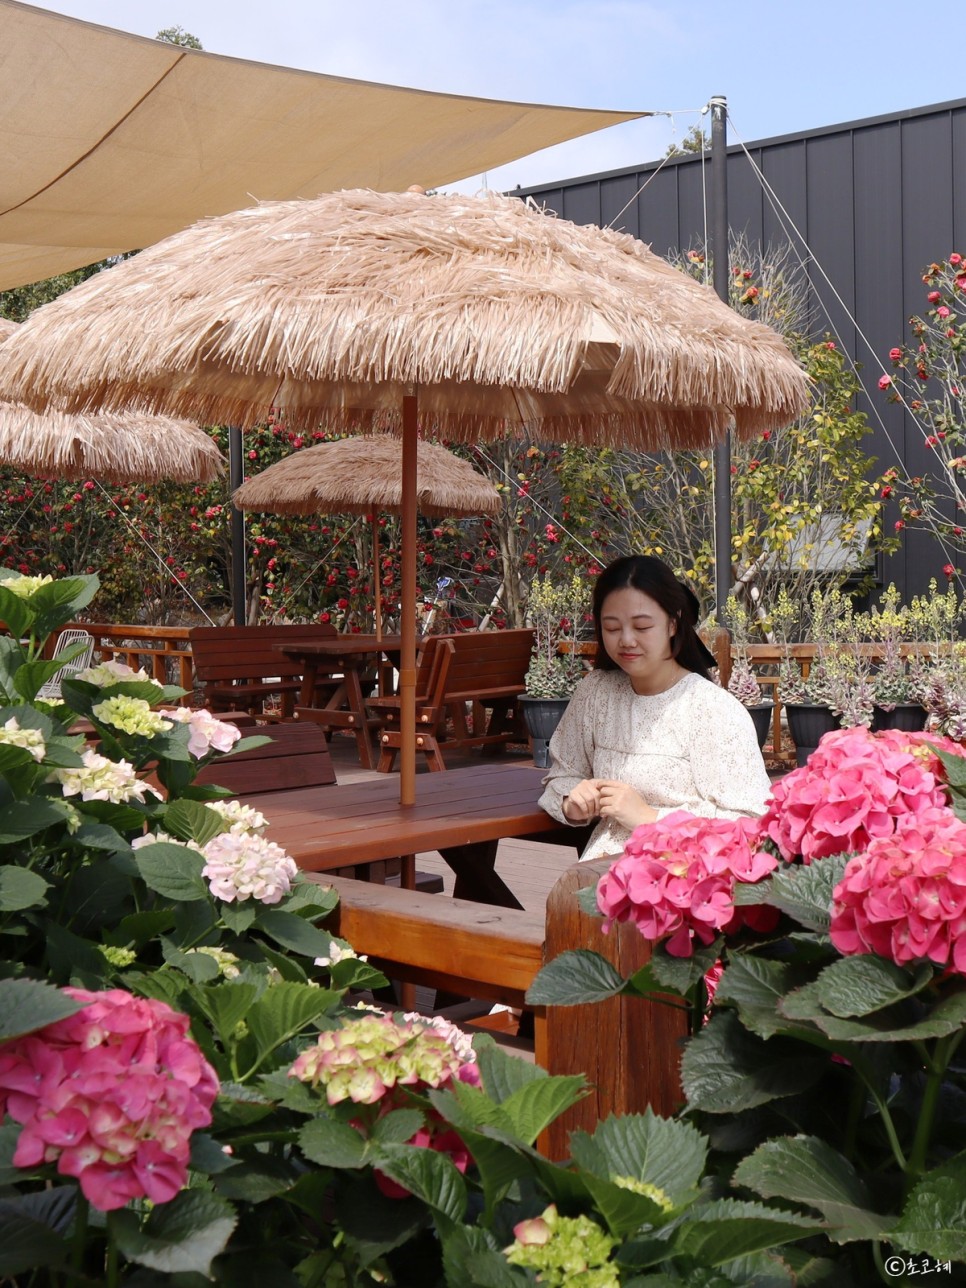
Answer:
(240, 667)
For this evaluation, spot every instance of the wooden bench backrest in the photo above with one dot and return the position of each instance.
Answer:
(297, 756)
(485, 662)
(225, 653)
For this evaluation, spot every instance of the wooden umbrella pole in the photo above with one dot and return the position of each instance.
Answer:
(377, 574)
(407, 662)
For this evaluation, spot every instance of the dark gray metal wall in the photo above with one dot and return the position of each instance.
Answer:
(875, 202)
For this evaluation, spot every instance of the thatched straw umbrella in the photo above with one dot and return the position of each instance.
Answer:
(363, 476)
(129, 448)
(471, 316)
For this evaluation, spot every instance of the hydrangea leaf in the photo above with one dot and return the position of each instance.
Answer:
(503, 1074)
(934, 1218)
(173, 870)
(178, 1237)
(294, 932)
(20, 888)
(728, 1228)
(27, 1005)
(192, 821)
(32, 1230)
(285, 1010)
(427, 1174)
(574, 978)
(54, 603)
(22, 819)
(534, 1107)
(806, 1169)
(624, 1210)
(667, 1154)
(726, 1069)
(471, 1256)
(682, 973)
(855, 986)
(805, 892)
(755, 986)
(892, 1024)
(398, 1126)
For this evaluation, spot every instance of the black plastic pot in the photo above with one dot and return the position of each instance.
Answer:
(761, 714)
(807, 724)
(908, 716)
(542, 716)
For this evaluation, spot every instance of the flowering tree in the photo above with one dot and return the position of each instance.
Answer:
(930, 381)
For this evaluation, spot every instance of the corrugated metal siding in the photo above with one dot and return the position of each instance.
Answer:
(875, 200)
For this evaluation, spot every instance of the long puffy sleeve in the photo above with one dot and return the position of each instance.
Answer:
(571, 749)
(730, 780)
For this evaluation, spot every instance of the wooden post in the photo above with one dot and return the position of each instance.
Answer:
(628, 1047)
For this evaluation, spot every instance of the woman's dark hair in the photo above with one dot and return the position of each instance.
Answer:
(653, 577)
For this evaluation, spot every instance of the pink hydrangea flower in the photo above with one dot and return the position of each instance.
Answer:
(205, 733)
(676, 878)
(905, 897)
(111, 1095)
(854, 788)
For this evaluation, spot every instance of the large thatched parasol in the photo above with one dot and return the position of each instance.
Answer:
(344, 308)
(129, 448)
(362, 476)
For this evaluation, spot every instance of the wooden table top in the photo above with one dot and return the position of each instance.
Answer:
(341, 646)
(323, 828)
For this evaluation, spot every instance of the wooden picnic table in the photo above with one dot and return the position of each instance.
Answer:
(462, 813)
(345, 706)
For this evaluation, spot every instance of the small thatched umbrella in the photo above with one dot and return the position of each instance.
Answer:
(129, 448)
(472, 316)
(362, 476)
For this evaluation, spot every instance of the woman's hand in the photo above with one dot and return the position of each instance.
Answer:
(623, 804)
(583, 802)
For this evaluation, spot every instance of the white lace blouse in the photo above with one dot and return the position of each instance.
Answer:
(692, 747)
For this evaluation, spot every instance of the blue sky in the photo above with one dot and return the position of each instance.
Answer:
(783, 66)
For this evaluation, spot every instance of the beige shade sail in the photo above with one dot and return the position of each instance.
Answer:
(113, 141)
(128, 448)
(363, 476)
(463, 317)
(358, 476)
(506, 319)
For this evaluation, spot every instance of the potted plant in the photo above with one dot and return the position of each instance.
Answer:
(742, 682)
(557, 616)
(893, 685)
(938, 671)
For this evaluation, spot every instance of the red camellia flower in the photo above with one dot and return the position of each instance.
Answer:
(895, 354)
(885, 382)
(934, 297)
(949, 570)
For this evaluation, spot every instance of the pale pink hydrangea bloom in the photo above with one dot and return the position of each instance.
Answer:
(905, 897)
(111, 1095)
(243, 866)
(370, 1058)
(676, 879)
(153, 838)
(205, 732)
(854, 788)
(101, 779)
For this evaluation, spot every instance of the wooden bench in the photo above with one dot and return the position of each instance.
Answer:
(482, 669)
(298, 757)
(240, 667)
(628, 1048)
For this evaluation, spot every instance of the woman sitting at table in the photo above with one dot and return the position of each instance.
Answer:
(647, 732)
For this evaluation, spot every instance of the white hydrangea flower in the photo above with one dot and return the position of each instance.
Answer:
(206, 733)
(241, 867)
(24, 587)
(153, 838)
(101, 779)
(105, 673)
(461, 1042)
(339, 954)
(31, 740)
(240, 818)
(131, 715)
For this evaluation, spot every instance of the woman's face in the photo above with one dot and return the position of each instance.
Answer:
(637, 636)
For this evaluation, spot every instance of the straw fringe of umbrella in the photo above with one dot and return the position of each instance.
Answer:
(357, 476)
(506, 319)
(133, 448)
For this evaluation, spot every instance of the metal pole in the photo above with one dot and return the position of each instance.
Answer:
(239, 579)
(722, 281)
